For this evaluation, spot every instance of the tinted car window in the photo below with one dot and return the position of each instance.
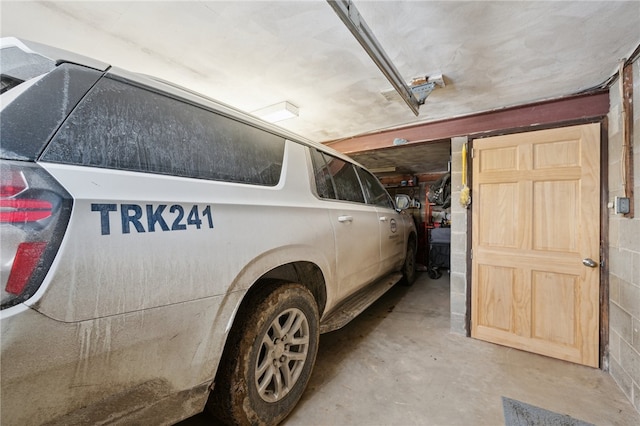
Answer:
(373, 190)
(126, 127)
(344, 178)
(324, 183)
(30, 120)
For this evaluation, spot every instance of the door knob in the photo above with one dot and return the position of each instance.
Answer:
(589, 262)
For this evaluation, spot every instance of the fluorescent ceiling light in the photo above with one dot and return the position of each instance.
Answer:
(278, 112)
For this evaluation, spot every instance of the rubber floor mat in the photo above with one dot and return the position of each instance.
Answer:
(518, 413)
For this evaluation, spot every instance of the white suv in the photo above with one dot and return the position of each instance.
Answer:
(161, 252)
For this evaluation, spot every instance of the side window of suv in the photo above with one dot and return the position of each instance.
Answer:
(373, 190)
(324, 183)
(125, 127)
(342, 174)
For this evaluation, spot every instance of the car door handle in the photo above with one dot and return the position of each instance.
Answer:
(383, 218)
(345, 218)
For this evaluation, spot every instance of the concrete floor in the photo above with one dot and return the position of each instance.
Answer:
(398, 364)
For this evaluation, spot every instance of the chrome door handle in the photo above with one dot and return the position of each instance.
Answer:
(589, 262)
(345, 218)
(383, 218)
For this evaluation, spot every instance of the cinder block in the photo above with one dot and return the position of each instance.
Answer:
(636, 334)
(636, 267)
(458, 262)
(620, 263)
(614, 345)
(458, 283)
(614, 288)
(630, 298)
(459, 239)
(459, 304)
(458, 324)
(629, 360)
(459, 218)
(620, 321)
(614, 230)
(622, 378)
(615, 177)
(630, 234)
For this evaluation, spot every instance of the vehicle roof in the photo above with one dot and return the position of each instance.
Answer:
(63, 56)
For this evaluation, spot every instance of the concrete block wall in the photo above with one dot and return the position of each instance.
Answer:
(459, 249)
(624, 254)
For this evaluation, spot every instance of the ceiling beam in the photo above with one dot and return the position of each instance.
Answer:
(350, 16)
(572, 108)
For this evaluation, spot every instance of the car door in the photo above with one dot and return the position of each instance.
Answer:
(355, 223)
(390, 223)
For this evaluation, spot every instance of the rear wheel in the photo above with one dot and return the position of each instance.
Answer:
(269, 360)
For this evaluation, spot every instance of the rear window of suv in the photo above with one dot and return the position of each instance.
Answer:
(122, 126)
(35, 98)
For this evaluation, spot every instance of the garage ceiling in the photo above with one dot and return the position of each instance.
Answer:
(254, 54)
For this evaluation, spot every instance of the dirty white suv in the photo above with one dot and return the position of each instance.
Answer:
(161, 252)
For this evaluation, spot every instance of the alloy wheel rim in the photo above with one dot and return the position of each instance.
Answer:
(282, 355)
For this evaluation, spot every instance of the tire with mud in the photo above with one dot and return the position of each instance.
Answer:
(269, 357)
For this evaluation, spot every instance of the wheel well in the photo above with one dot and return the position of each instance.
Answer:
(306, 273)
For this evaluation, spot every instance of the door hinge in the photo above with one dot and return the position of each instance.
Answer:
(471, 151)
(471, 251)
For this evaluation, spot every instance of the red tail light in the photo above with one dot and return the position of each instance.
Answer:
(24, 210)
(34, 213)
(25, 262)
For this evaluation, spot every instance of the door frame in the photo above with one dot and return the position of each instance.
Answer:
(604, 225)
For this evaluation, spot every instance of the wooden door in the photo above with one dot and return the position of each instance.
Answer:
(535, 218)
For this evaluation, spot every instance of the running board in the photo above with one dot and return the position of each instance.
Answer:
(354, 305)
